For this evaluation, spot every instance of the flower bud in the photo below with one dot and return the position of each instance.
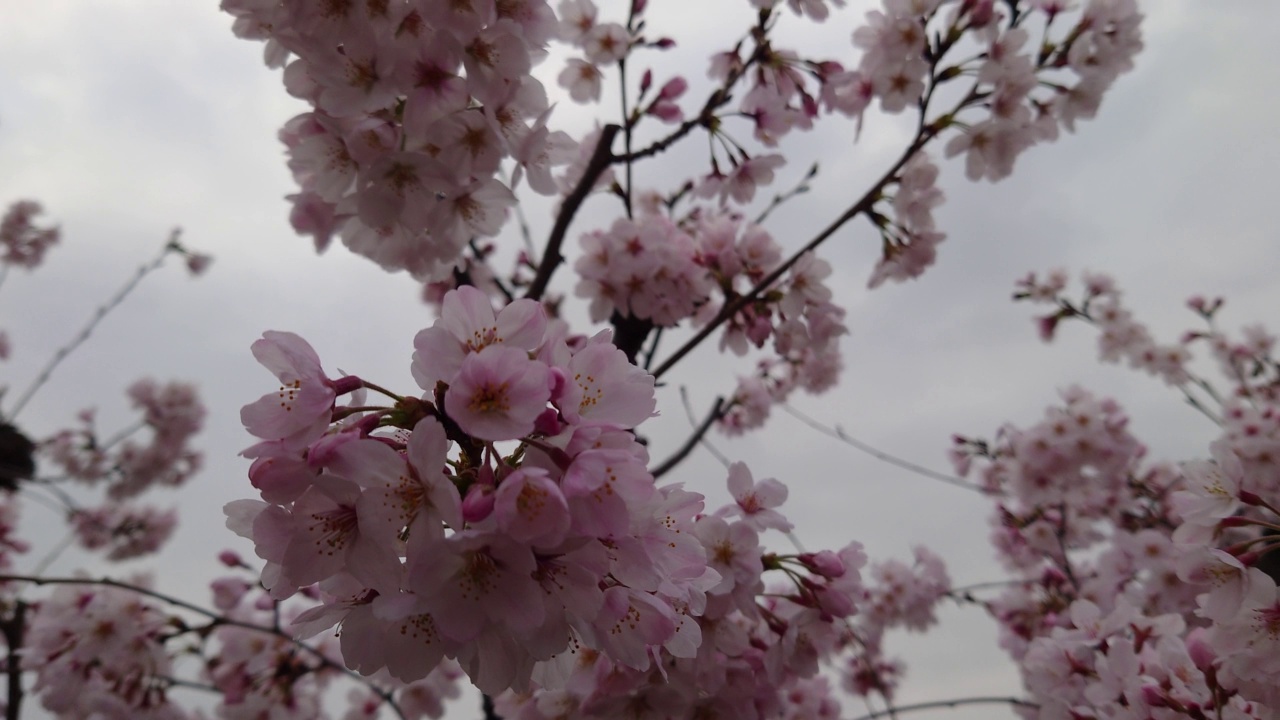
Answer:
(1199, 650)
(478, 504)
(231, 559)
(825, 563)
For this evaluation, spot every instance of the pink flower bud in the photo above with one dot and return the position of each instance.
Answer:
(548, 423)
(228, 591)
(833, 602)
(231, 559)
(478, 504)
(674, 88)
(1154, 696)
(197, 263)
(558, 379)
(666, 112)
(646, 81)
(344, 385)
(825, 563)
(1199, 650)
(1249, 498)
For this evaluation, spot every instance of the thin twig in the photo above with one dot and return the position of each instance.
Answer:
(122, 435)
(480, 258)
(880, 455)
(98, 315)
(800, 188)
(693, 423)
(949, 704)
(54, 553)
(717, 411)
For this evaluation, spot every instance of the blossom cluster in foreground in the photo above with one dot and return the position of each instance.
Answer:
(507, 519)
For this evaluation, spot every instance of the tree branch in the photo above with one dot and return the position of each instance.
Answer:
(880, 455)
(98, 315)
(551, 257)
(13, 630)
(717, 411)
(948, 704)
(730, 309)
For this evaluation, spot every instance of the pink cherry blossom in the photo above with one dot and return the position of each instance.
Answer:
(498, 393)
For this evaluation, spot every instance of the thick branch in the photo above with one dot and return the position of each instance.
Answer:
(551, 257)
(13, 632)
(948, 704)
(717, 411)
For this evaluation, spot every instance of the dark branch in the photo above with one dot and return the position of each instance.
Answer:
(13, 630)
(551, 257)
(717, 411)
(948, 704)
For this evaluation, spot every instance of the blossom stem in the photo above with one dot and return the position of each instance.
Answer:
(379, 389)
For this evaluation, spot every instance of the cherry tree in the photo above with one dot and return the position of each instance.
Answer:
(503, 521)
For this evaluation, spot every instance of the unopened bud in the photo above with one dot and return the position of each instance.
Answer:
(231, 559)
(1249, 498)
(825, 563)
(478, 504)
(344, 385)
(1199, 651)
(674, 88)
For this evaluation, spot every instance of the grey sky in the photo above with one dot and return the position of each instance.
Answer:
(128, 117)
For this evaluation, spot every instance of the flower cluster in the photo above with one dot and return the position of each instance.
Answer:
(1077, 69)
(1144, 591)
(911, 240)
(24, 243)
(507, 519)
(172, 412)
(563, 537)
(416, 106)
(98, 652)
(645, 268)
(1120, 337)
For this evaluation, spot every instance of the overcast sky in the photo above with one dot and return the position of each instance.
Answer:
(128, 117)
